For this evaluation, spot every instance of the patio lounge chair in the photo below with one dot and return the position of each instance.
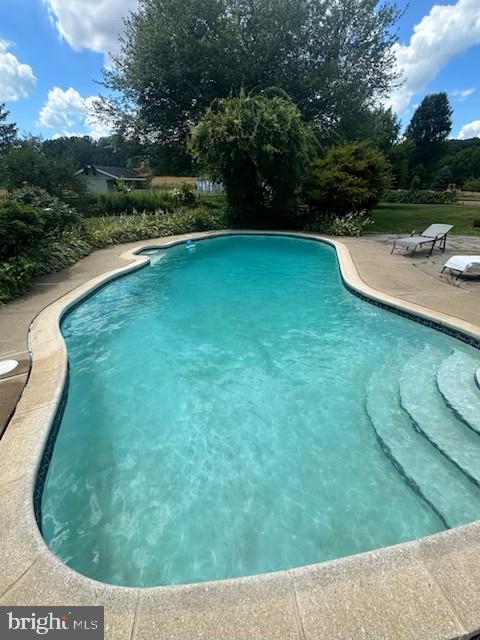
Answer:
(435, 233)
(465, 265)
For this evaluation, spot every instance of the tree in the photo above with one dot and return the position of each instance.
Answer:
(259, 146)
(27, 163)
(401, 157)
(432, 121)
(334, 57)
(379, 126)
(8, 132)
(349, 178)
(442, 179)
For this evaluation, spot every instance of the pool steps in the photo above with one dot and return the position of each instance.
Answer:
(421, 399)
(456, 382)
(425, 470)
(421, 424)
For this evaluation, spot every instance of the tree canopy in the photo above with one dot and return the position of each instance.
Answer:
(432, 121)
(334, 57)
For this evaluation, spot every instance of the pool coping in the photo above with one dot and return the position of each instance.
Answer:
(427, 588)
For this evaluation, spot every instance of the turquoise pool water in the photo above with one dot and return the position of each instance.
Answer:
(233, 409)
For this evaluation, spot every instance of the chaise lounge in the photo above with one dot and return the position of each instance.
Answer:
(464, 265)
(435, 233)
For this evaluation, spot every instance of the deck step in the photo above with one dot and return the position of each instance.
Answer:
(456, 381)
(454, 498)
(424, 404)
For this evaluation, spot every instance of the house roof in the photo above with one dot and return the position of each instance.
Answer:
(111, 172)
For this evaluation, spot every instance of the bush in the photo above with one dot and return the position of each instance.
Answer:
(350, 177)
(15, 277)
(116, 203)
(260, 148)
(472, 185)
(115, 230)
(39, 234)
(352, 224)
(402, 196)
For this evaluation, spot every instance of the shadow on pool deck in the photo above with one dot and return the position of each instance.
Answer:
(411, 278)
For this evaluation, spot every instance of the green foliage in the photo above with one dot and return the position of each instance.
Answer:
(27, 163)
(103, 232)
(15, 277)
(125, 203)
(418, 196)
(380, 127)
(184, 195)
(349, 178)
(401, 158)
(20, 227)
(472, 185)
(334, 58)
(260, 148)
(8, 131)
(442, 179)
(465, 164)
(432, 121)
(55, 213)
(38, 234)
(352, 224)
(416, 183)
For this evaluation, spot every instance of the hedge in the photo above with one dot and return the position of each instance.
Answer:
(419, 196)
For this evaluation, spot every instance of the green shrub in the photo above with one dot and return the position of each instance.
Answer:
(20, 227)
(116, 203)
(402, 196)
(472, 185)
(55, 213)
(350, 177)
(15, 277)
(60, 250)
(260, 148)
(352, 224)
(127, 228)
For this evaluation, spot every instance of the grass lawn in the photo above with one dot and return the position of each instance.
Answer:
(404, 218)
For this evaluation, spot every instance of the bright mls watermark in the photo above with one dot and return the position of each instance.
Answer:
(24, 623)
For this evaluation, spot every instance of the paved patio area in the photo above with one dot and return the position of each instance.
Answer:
(414, 278)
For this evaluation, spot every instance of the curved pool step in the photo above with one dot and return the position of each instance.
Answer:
(422, 401)
(456, 381)
(449, 492)
(477, 378)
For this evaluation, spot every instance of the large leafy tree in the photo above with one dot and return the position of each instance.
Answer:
(259, 146)
(8, 131)
(27, 163)
(334, 57)
(432, 121)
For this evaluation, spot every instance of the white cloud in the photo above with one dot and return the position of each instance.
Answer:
(445, 32)
(16, 79)
(463, 94)
(90, 24)
(470, 130)
(66, 109)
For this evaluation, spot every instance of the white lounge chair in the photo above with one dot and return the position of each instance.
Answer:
(465, 265)
(435, 233)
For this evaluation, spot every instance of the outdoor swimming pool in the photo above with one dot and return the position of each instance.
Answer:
(233, 409)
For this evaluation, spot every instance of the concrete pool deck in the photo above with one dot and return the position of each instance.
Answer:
(428, 588)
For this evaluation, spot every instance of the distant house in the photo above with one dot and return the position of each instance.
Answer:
(101, 179)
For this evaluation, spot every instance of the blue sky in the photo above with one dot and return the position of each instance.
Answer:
(52, 53)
